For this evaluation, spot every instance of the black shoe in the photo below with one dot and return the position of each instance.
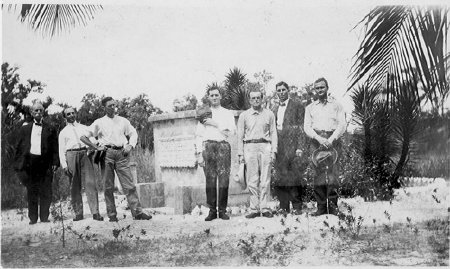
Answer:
(296, 212)
(267, 214)
(334, 211)
(78, 217)
(97, 217)
(32, 222)
(45, 220)
(113, 219)
(224, 216)
(142, 216)
(211, 216)
(253, 215)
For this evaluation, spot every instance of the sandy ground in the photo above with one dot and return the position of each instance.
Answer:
(416, 203)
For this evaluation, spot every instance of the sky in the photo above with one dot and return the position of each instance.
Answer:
(168, 49)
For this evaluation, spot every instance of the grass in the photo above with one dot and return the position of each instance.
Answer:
(425, 244)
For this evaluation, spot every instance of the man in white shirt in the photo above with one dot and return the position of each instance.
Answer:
(112, 132)
(214, 154)
(74, 159)
(36, 159)
(325, 124)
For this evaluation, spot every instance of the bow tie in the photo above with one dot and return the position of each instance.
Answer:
(38, 123)
(283, 104)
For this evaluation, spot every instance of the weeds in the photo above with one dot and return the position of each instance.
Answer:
(270, 250)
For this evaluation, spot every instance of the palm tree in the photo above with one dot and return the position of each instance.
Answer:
(54, 19)
(235, 94)
(407, 43)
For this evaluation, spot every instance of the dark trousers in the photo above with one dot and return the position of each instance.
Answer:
(287, 194)
(217, 157)
(39, 188)
(326, 180)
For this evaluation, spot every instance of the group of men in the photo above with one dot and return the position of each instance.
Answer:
(39, 152)
(276, 146)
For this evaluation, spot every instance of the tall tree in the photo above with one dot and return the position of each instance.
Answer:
(235, 95)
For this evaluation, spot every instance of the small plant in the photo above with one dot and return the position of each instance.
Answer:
(270, 250)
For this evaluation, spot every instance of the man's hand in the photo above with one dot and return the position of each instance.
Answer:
(54, 168)
(67, 172)
(210, 122)
(273, 156)
(299, 153)
(200, 160)
(241, 159)
(226, 132)
(323, 141)
(126, 150)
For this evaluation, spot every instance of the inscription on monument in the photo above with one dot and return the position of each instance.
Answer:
(177, 151)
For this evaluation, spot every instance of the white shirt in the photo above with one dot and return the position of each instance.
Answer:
(329, 116)
(113, 131)
(69, 138)
(280, 114)
(224, 118)
(36, 137)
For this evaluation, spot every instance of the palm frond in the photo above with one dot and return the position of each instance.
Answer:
(398, 40)
(52, 19)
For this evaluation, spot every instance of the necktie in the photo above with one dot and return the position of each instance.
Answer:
(38, 123)
(76, 135)
(283, 104)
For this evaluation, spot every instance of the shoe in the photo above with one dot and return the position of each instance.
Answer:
(45, 220)
(320, 211)
(97, 217)
(113, 219)
(334, 211)
(224, 216)
(33, 222)
(253, 215)
(142, 216)
(78, 217)
(211, 216)
(267, 214)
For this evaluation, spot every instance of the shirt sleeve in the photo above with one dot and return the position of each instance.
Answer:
(62, 149)
(240, 134)
(199, 137)
(92, 130)
(307, 124)
(342, 123)
(131, 132)
(273, 132)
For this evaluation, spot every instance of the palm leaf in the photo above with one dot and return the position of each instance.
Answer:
(51, 19)
(398, 40)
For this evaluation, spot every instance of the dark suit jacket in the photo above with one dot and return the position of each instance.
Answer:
(49, 146)
(290, 138)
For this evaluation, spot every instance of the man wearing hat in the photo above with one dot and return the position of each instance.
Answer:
(325, 124)
(214, 152)
(288, 183)
(74, 159)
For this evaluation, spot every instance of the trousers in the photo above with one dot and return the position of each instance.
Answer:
(115, 160)
(257, 158)
(217, 157)
(81, 167)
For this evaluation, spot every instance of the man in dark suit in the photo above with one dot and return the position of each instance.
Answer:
(36, 158)
(288, 181)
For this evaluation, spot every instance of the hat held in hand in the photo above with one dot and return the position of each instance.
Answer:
(240, 176)
(324, 157)
(203, 113)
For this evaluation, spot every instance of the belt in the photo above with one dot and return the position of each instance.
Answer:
(113, 147)
(260, 140)
(78, 149)
(325, 134)
(214, 141)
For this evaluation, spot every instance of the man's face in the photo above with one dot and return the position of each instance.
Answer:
(321, 89)
(37, 111)
(283, 93)
(70, 115)
(214, 97)
(255, 99)
(110, 108)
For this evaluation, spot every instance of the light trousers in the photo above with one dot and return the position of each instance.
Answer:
(257, 159)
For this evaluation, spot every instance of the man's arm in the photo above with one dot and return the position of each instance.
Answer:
(240, 136)
(199, 143)
(62, 149)
(342, 124)
(273, 133)
(54, 147)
